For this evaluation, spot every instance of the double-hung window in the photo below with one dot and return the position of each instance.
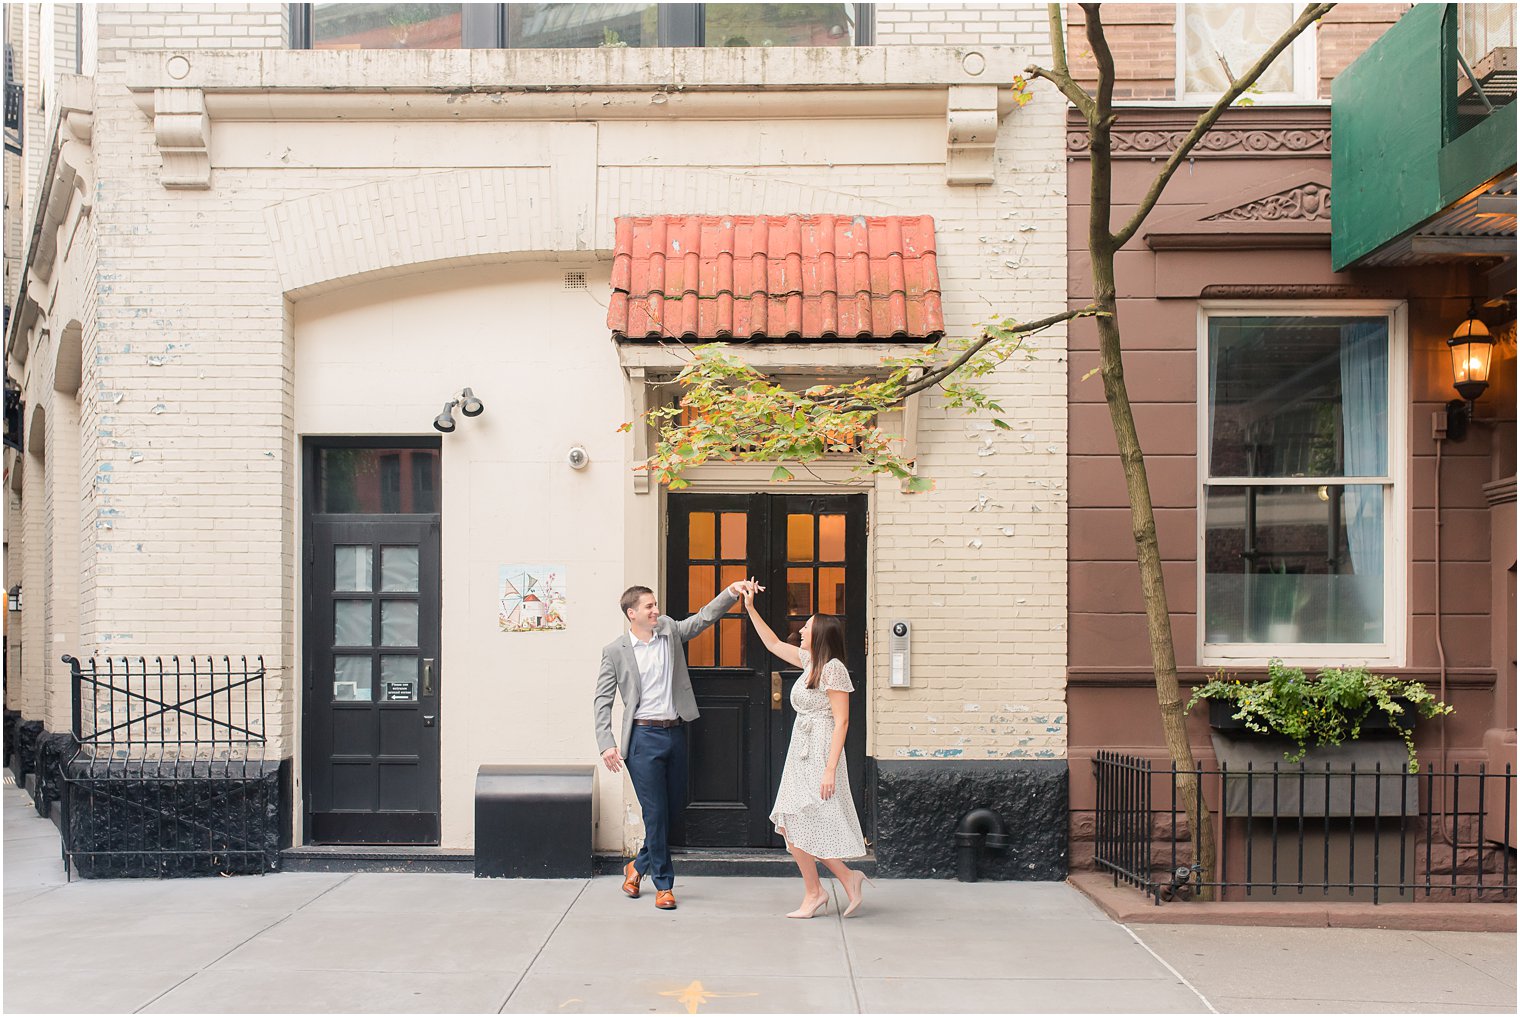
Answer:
(1301, 504)
(1217, 43)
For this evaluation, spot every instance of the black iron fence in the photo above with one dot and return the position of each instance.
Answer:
(1310, 831)
(169, 777)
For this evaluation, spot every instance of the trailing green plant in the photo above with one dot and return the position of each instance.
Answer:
(1325, 710)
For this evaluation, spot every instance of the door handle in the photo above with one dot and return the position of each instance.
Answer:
(427, 676)
(775, 690)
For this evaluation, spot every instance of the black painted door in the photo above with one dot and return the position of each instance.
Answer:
(373, 673)
(809, 553)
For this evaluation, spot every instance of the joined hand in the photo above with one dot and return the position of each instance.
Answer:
(745, 588)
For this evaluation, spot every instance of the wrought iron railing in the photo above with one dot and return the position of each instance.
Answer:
(169, 777)
(1305, 832)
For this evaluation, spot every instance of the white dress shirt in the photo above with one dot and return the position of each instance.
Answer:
(656, 701)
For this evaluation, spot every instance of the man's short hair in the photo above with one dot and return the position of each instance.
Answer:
(631, 597)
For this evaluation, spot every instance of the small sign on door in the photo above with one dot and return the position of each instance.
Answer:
(400, 692)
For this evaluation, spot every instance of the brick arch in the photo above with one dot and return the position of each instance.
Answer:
(471, 216)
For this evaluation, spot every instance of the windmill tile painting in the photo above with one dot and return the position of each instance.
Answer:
(532, 598)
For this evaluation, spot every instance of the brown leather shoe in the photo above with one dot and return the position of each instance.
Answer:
(631, 880)
(665, 900)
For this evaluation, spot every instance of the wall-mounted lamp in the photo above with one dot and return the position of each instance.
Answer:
(13, 598)
(1472, 354)
(468, 405)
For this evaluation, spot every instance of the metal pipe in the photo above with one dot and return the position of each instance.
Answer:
(978, 827)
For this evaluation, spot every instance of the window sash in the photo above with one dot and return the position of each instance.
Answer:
(1391, 651)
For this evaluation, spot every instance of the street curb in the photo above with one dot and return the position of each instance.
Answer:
(1127, 905)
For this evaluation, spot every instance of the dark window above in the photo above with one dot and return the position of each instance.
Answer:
(576, 26)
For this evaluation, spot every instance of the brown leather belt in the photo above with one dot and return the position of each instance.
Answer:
(651, 722)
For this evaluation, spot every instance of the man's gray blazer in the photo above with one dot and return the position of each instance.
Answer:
(620, 671)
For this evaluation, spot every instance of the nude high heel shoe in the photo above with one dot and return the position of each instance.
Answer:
(804, 913)
(856, 893)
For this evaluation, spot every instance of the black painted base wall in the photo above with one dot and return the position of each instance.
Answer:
(10, 725)
(151, 820)
(54, 750)
(920, 802)
(27, 733)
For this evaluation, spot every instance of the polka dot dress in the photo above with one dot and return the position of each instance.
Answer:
(824, 829)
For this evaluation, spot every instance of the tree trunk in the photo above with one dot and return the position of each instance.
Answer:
(1102, 245)
(1153, 584)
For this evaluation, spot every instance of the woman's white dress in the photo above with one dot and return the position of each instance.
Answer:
(824, 829)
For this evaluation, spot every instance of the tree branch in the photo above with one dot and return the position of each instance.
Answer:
(938, 375)
(1237, 88)
(1057, 39)
(1060, 76)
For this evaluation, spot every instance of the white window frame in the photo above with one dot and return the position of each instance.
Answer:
(1304, 52)
(1397, 563)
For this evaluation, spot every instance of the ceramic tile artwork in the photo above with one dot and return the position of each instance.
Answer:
(532, 598)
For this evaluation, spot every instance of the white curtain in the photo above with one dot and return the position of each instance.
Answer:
(1364, 433)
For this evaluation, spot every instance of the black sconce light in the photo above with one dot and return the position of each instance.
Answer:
(13, 598)
(1472, 354)
(468, 405)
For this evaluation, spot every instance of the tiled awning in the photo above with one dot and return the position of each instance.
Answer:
(791, 278)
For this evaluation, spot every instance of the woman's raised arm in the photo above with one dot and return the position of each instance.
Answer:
(786, 651)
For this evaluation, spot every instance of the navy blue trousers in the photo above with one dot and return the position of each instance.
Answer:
(657, 764)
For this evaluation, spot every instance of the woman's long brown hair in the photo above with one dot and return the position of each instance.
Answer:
(827, 644)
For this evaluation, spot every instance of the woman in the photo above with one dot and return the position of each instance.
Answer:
(814, 810)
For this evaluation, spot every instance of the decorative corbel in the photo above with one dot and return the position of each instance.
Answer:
(182, 128)
(971, 122)
(639, 398)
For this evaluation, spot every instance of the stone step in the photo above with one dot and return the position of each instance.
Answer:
(375, 858)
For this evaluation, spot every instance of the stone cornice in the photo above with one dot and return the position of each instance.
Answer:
(185, 92)
(1154, 133)
(583, 83)
(1298, 291)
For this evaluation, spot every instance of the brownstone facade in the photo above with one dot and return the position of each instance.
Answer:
(1249, 219)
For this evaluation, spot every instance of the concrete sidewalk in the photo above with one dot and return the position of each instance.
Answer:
(334, 943)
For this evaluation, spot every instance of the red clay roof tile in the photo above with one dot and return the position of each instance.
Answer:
(793, 277)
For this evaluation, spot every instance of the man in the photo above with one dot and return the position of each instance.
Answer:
(647, 668)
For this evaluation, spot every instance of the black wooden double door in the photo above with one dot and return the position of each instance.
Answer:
(372, 635)
(809, 551)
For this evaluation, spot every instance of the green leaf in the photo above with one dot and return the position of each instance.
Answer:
(676, 483)
(781, 474)
(919, 485)
(1003, 424)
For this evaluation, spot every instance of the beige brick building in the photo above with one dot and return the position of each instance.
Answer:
(248, 257)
